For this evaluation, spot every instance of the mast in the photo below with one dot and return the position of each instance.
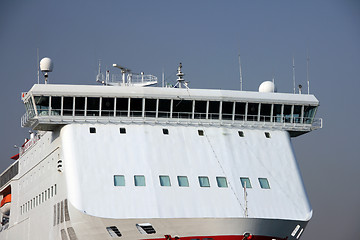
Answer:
(240, 73)
(294, 74)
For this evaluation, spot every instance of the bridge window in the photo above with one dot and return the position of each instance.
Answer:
(150, 107)
(165, 181)
(164, 108)
(136, 107)
(277, 112)
(55, 105)
(107, 107)
(297, 113)
(204, 181)
(42, 105)
(93, 106)
(68, 106)
(221, 182)
(309, 112)
(183, 181)
(265, 112)
(119, 180)
(245, 182)
(122, 105)
(287, 113)
(264, 183)
(253, 111)
(79, 106)
(139, 180)
(182, 108)
(240, 111)
(214, 108)
(200, 109)
(227, 110)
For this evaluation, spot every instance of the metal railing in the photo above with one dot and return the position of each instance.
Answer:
(58, 116)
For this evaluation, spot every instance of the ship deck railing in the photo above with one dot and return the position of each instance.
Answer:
(49, 119)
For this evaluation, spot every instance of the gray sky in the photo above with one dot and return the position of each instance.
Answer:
(207, 36)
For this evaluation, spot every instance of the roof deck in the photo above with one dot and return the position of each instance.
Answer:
(50, 106)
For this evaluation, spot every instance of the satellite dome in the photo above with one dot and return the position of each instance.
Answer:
(267, 86)
(46, 65)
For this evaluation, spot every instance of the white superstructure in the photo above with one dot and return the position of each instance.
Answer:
(132, 162)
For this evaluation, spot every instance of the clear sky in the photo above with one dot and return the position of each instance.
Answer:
(207, 36)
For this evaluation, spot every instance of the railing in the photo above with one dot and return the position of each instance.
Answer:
(133, 78)
(56, 116)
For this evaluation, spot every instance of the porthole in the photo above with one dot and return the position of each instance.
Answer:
(165, 131)
(92, 130)
(122, 130)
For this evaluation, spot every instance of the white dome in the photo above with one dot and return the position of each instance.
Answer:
(267, 86)
(46, 65)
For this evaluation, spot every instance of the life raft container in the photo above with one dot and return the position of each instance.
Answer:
(5, 205)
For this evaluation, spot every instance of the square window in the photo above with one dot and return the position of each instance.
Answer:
(165, 131)
(264, 183)
(221, 182)
(119, 180)
(245, 182)
(165, 181)
(92, 130)
(139, 180)
(241, 133)
(183, 181)
(201, 132)
(122, 130)
(204, 182)
(267, 135)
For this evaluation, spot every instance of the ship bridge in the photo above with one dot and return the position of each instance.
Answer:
(50, 106)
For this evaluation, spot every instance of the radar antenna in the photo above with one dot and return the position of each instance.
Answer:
(46, 66)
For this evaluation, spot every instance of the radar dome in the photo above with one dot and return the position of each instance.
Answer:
(267, 86)
(46, 65)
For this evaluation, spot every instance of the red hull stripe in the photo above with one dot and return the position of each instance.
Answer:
(227, 237)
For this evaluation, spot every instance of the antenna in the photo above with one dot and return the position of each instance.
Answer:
(38, 67)
(240, 73)
(46, 66)
(163, 77)
(294, 73)
(307, 71)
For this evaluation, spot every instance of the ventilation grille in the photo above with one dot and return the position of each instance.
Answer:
(145, 228)
(113, 231)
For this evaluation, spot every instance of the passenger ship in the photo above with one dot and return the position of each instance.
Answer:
(126, 160)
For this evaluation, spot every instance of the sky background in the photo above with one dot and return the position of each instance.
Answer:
(207, 36)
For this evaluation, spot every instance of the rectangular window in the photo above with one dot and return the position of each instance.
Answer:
(122, 130)
(265, 112)
(240, 111)
(139, 180)
(55, 105)
(214, 109)
(122, 105)
(42, 105)
(297, 113)
(182, 108)
(200, 109)
(245, 182)
(264, 183)
(79, 106)
(68, 106)
(227, 110)
(253, 111)
(165, 181)
(150, 107)
(183, 181)
(221, 182)
(93, 106)
(287, 113)
(277, 113)
(204, 181)
(164, 108)
(119, 180)
(136, 107)
(107, 107)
